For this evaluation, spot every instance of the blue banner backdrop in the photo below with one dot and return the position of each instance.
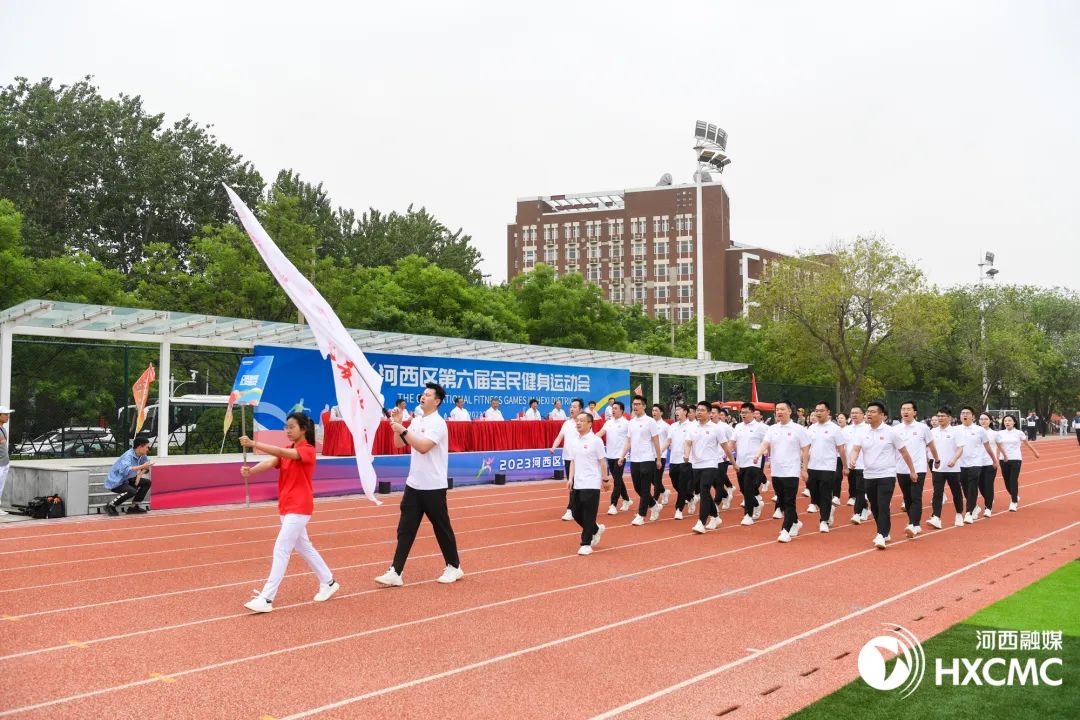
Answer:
(302, 381)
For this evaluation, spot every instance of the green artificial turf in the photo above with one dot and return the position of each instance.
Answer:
(1052, 603)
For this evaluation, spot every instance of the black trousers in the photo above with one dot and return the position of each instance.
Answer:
(860, 489)
(750, 479)
(1031, 433)
(838, 479)
(415, 504)
(128, 491)
(570, 495)
(1078, 436)
(820, 484)
(658, 480)
(641, 473)
(618, 489)
(969, 480)
(704, 479)
(1011, 470)
(721, 485)
(585, 503)
(953, 479)
(986, 484)
(682, 479)
(879, 492)
(786, 488)
(912, 490)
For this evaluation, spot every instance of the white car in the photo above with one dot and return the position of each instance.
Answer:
(68, 441)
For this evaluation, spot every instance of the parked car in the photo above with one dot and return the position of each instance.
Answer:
(68, 442)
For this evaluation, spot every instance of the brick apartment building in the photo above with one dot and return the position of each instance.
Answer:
(639, 246)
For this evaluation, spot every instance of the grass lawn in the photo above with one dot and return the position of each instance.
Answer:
(1052, 603)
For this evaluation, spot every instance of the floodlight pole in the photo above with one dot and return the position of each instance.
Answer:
(986, 261)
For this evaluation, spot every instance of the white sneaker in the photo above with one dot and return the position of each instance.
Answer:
(625, 506)
(678, 514)
(596, 536)
(836, 501)
(757, 512)
(698, 527)
(917, 530)
(866, 514)
(760, 500)
(1012, 507)
(713, 523)
(327, 591)
(856, 519)
(568, 515)
(665, 497)
(794, 531)
(959, 521)
(968, 519)
(785, 537)
(638, 520)
(879, 542)
(976, 512)
(654, 514)
(777, 514)
(259, 604)
(390, 578)
(910, 531)
(725, 504)
(935, 522)
(987, 512)
(747, 520)
(851, 501)
(812, 508)
(450, 574)
(832, 519)
(3, 512)
(888, 538)
(823, 527)
(765, 486)
(806, 492)
(691, 509)
(584, 550)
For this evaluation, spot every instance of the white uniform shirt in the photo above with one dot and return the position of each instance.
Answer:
(615, 432)
(588, 452)
(786, 441)
(945, 442)
(878, 450)
(1011, 441)
(851, 433)
(992, 437)
(705, 440)
(608, 412)
(726, 436)
(664, 429)
(493, 414)
(748, 438)
(556, 414)
(971, 438)
(677, 435)
(642, 430)
(532, 414)
(569, 432)
(825, 440)
(428, 471)
(916, 437)
(1076, 423)
(460, 414)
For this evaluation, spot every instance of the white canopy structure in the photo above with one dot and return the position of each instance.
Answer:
(76, 321)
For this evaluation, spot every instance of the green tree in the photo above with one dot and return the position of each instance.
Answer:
(567, 312)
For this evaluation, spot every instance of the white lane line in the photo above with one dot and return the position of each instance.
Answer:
(500, 603)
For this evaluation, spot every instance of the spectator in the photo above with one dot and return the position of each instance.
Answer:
(533, 413)
(400, 405)
(459, 413)
(557, 412)
(132, 465)
(493, 412)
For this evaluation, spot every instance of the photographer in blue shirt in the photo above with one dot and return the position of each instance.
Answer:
(126, 479)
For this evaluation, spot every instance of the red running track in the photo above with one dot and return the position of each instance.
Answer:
(143, 617)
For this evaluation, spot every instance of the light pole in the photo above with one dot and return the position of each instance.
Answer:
(710, 147)
(987, 271)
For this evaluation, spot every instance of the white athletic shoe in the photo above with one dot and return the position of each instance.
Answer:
(698, 527)
(638, 520)
(584, 550)
(958, 521)
(785, 537)
(757, 512)
(390, 578)
(654, 514)
(625, 506)
(851, 501)
(987, 512)
(836, 501)
(714, 522)
(968, 518)
(450, 575)
(327, 591)
(678, 514)
(765, 486)
(879, 542)
(691, 509)
(777, 514)
(596, 536)
(1012, 507)
(935, 522)
(725, 504)
(568, 515)
(259, 604)
(747, 520)
(794, 531)
(976, 512)
(865, 514)
(812, 508)
(856, 519)
(910, 531)
(806, 492)
(665, 497)
(760, 500)
(832, 519)
(823, 527)
(4, 512)
(613, 510)
(888, 538)
(917, 530)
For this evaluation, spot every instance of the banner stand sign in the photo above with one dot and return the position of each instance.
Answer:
(247, 390)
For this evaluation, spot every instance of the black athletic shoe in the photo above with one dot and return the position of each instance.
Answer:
(111, 509)
(135, 510)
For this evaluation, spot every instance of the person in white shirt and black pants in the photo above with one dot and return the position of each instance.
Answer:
(679, 470)
(946, 470)
(426, 486)
(566, 433)
(972, 445)
(749, 434)
(826, 449)
(588, 476)
(643, 447)
(878, 445)
(919, 441)
(788, 447)
(705, 445)
(1009, 444)
(614, 435)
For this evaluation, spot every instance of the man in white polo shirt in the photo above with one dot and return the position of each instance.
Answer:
(568, 432)
(614, 435)
(705, 445)
(660, 493)
(826, 446)
(749, 434)
(971, 442)
(588, 476)
(533, 413)
(788, 447)
(643, 447)
(425, 488)
(493, 413)
(946, 471)
(856, 486)
(557, 413)
(878, 446)
(679, 470)
(919, 441)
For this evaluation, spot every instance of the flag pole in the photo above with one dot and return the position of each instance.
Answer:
(243, 431)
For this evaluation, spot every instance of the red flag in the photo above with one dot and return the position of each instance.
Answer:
(753, 388)
(228, 411)
(637, 390)
(141, 391)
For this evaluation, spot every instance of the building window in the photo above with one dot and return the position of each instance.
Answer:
(551, 233)
(660, 248)
(594, 273)
(660, 225)
(617, 294)
(661, 293)
(686, 270)
(639, 295)
(686, 292)
(662, 313)
(615, 228)
(572, 231)
(551, 255)
(639, 272)
(638, 249)
(661, 272)
(616, 250)
(685, 314)
(685, 247)
(684, 224)
(637, 227)
(594, 251)
(594, 229)
(616, 273)
(571, 253)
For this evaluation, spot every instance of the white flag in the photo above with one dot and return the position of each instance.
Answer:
(358, 386)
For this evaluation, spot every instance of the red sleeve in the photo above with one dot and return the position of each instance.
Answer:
(307, 454)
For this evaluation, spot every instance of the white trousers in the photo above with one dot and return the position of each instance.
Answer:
(3, 479)
(293, 536)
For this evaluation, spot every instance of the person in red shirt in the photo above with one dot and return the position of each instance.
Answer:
(296, 501)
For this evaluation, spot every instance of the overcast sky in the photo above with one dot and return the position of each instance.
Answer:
(949, 128)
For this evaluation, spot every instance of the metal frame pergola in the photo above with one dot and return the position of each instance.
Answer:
(165, 328)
